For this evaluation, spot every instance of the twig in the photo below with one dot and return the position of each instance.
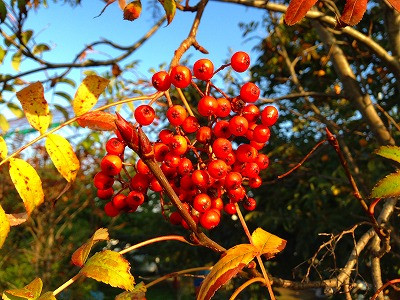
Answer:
(245, 285)
(391, 282)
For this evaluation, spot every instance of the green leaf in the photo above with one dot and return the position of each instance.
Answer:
(68, 81)
(138, 293)
(26, 36)
(3, 13)
(16, 60)
(18, 112)
(2, 51)
(40, 48)
(62, 110)
(4, 125)
(391, 152)
(387, 187)
(170, 9)
(64, 95)
(30, 292)
(111, 268)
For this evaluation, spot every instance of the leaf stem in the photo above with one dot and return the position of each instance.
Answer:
(66, 284)
(183, 98)
(245, 285)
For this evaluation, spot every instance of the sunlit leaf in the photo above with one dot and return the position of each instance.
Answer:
(353, 11)
(47, 296)
(30, 292)
(35, 106)
(80, 256)
(26, 36)
(16, 60)
(387, 187)
(170, 9)
(391, 152)
(267, 243)
(98, 120)
(88, 93)
(27, 182)
(138, 293)
(63, 156)
(297, 9)
(40, 48)
(2, 51)
(4, 226)
(3, 148)
(15, 110)
(132, 10)
(17, 219)
(4, 125)
(234, 260)
(111, 268)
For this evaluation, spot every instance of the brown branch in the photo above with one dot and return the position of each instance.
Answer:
(391, 282)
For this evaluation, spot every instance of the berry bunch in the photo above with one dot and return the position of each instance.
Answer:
(210, 160)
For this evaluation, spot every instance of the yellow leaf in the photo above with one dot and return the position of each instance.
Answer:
(81, 254)
(3, 148)
(88, 93)
(47, 296)
(63, 156)
(111, 268)
(235, 260)
(35, 106)
(30, 291)
(98, 120)
(27, 182)
(138, 293)
(4, 226)
(267, 243)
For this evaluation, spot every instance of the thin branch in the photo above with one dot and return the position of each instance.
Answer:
(245, 285)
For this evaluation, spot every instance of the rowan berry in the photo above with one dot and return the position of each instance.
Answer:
(207, 106)
(180, 76)
(221, 147)
(238, 125)
(246, 153)
(178, 145)
(202, 202)
(165, 136)
(251, 113)
(230, 208)
(210, 219)
(185, 166)
(203, 69)
(217, 168)
(221, 129)
(172, 160)
(224, 108)
(175, 218)
(201, 178)
(115, 146)
(144, 114)
(269, 115)
(249, 204)
(139, 182)
(134, 199)
(251, 170)
(262, 161)
(261, 134)
(255, 182)
(119, 201)
(160, 151)
(142, 168)
(249, 92)
(155, 185)
(105, 194)
(111, 210)
(233, 180)
(176, 115)
(240, 61)
(102, 181)
(203, 135)
(111, 164)
(190, 124)
(237, 194)
(217, 203)
(161, 81)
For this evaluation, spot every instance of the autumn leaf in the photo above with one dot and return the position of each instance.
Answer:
(395, 4)
(35, 106)
(111, 268)
(267, 243)
(297, 9)
(47, 296)
(133, 10)
(353, 11)
(122, 4)
(27, 182)
(17, 219)
(80, 256)
(387, 187)
(63, 156)
(390, 152)
(88, 93)
(234, 260)
(3, 148)
(4, 226)
(138, 293)
(170, 9)
(98, 120)
(30, 291)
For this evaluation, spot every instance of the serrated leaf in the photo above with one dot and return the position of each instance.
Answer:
(16, 60)
(17, 219)
(391, 152)
(4, 125)
(47, 296)
(2, 51)
(80, 256)
(4, 226)
(88, 93)
(111, 268)
(353, 11)
(98, 120)
(297, 9)
(30, 292)
(27, 182)
(138, 293)
(3, 148)
(387, 187)
(63, 156)
(35, 106)
(3, 13)
(395, 4)
(235, 260)
(267, 243)
(40, 48)
(18, 112)
(170, 9)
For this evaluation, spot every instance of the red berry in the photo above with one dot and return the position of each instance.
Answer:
(237, 194)
(155, 185)
(119, 201)
(115, 146)
(238, 125)
(139, 182)
(111, 210)
(210, 219)
(203, 135)
(251, 170)
(175, 218)
(221, 147)
(176, 115)
(240, 61)
(178, 145)
(233, 180)
(200, 178)
(249, 92)
(255, 182)
(190, 124)
(269, 115)
(207, 106)
(165, 136)
(221, 129)
(261, 134)
(142, 168)
(134, 199)
(161, 81)
(160, 151)
(217, 168)
(217, 203)
(246, 153)
(202, 202)
(180, 76)
(144, 114)
(105, 194)
(172, 160)
(203, 69)
(249, 204)
(251, 112)
(224, 108)
(185, 166)
(230, 208)
(102, 181)
(262, 161)
(111, 164)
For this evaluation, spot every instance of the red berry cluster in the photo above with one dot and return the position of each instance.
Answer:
(210, 161)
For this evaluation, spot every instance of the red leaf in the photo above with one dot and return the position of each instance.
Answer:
(353, 11)
(297, 10)
(395, 4)
(98, 120)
